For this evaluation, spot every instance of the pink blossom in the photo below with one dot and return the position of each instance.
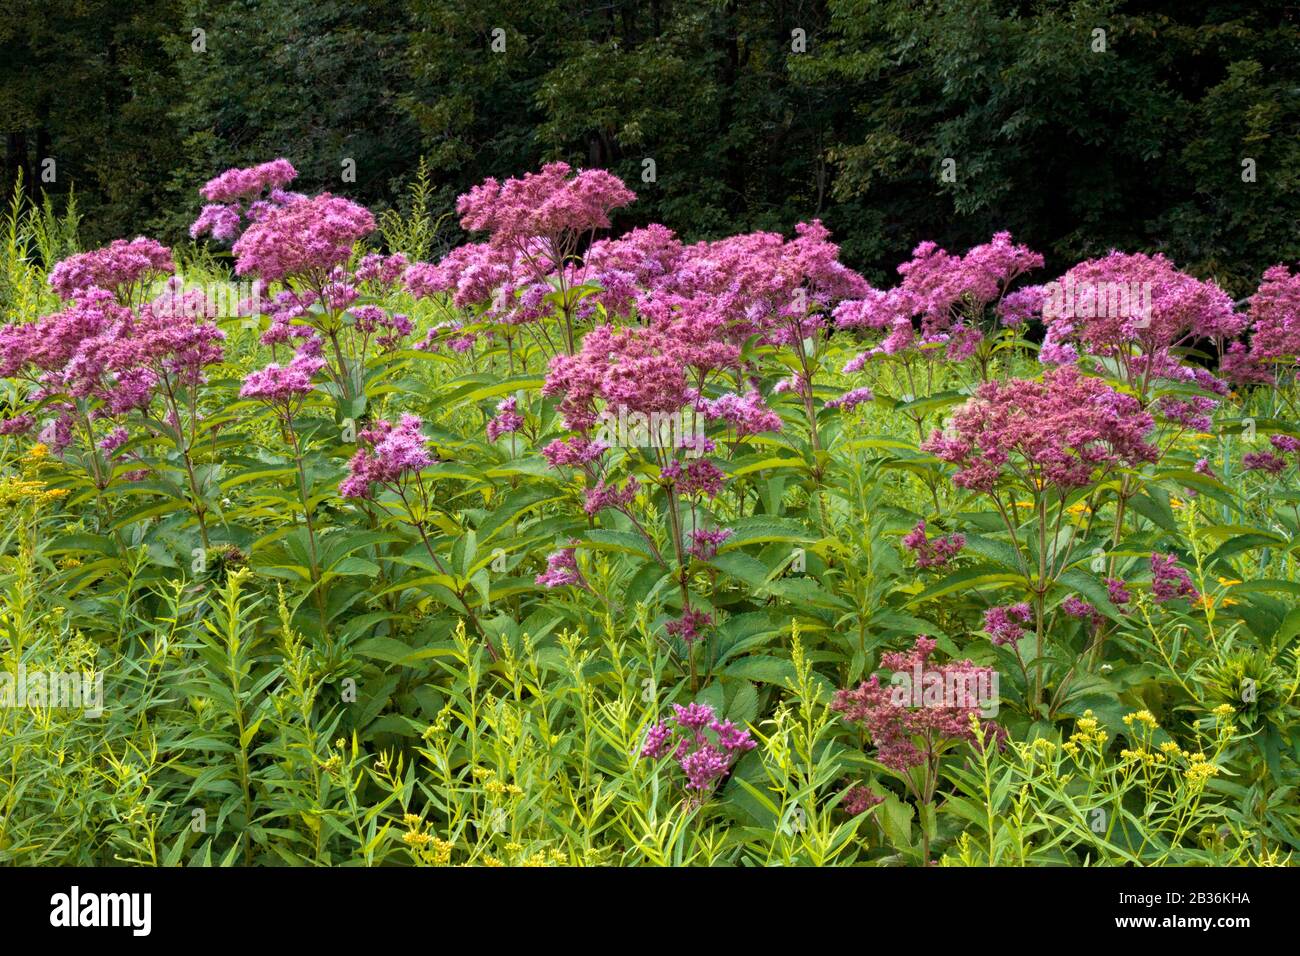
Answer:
(1275, 316)
(602, 496)
(860, 799)
(17, 425)
(699, 476)
(1168, 580)
(1019, 307)
(705, 542)
(933, 552)
(624, 267)
(507, 421)
(1005, 625)
(638, 369)
(1263, 461)
(387, 454)
(282, 385)
(1285, 443)
(117, 267)
(851, 399)
(573, 452)
(1076, 606)
(561, 569)
(381, 270)
(949, 294)
(905, 735)
(690, 627)
(705, 747)
(746, 414)
(114, 440)
(473, 273)
(1060, 431)
(305, 238)
(550, 203)
(1109, 304)
(249, 183)
(243, 193)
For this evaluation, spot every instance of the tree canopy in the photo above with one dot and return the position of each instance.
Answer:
(1079, 126)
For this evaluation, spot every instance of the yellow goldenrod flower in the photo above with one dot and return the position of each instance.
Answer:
(1198, 773)
(14, 491)
(441, 851)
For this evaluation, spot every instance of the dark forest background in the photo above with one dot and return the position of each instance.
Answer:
(1073, 149)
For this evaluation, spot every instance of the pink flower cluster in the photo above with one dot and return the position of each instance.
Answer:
(1108, 305)
(625, 267)
(1118, 592)
(704, 746)
(97, 347)
(707, 297)
(601, 496)
(1269, 462)
(1057, 432)
(1077, 607)
(933, 552)
(240, 193)
(237, 185)
(690, 627)
(639, 369)
(747, 414)
(1006, 625)
(504, 281)
(387, 328)
(860, 799)
(851, 399)
(895, 727)
(561, 569)
(1275, 317)
(697, 477)
(1168, 580)
(757, 283)
(705, 542)
(551, 203)
(306, 238)
(387, 454)
(507, 420)
(383, 271)
(284, 385)
(118, 267)
(948, 292)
